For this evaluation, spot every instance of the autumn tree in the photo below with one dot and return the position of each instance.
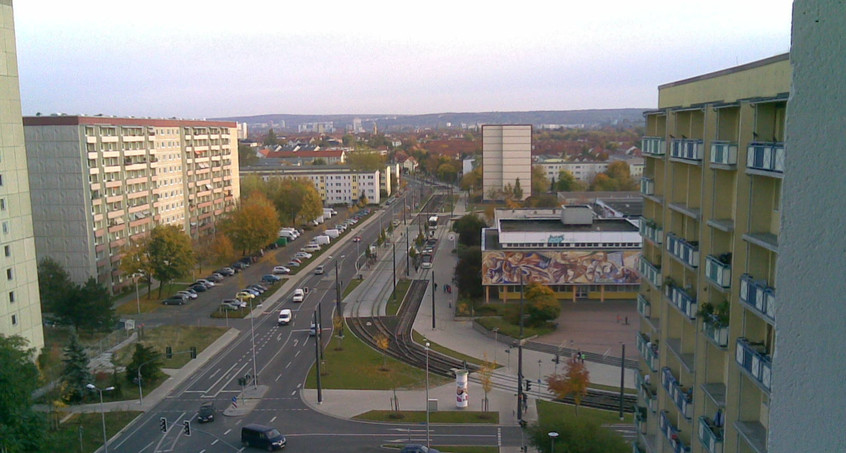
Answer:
(616, 177)
(366, 160)
(221, 250)
(472, 181)
(383, 343)
(568, 183)
(485, 374)
(542, 305)
(469, 229)
(270, 139)
(253, 225)
(573, 382)
(136, 260)
(170, 253)
(540, 183)
(448, 172)
(518, 190)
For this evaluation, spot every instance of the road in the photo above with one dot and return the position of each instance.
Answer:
(284, 356)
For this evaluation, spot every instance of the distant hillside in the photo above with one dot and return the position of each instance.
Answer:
(386, 122)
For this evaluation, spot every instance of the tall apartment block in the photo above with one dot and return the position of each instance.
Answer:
(712, 189)
(20, 307)
(99, 182)
(506, 157)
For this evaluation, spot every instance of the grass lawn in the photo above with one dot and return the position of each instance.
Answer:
(453, 448)
(56, 338)
(149, 302)
(358, 366)
(402, 288)
(550, 412)
(416, 417)
(353, 284)
(221, 313)
(89, 426)
(180, 338)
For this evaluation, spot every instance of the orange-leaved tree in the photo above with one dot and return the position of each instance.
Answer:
(574, 382)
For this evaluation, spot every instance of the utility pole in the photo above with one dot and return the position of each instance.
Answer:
(520, 394)
(394, 261)
(407, 249)
(434, 289)
(622, 378)
(317, 357)
(338, 288)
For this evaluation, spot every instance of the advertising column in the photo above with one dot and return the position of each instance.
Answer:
(461, 396)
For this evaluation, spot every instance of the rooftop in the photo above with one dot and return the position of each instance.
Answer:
(555, 226)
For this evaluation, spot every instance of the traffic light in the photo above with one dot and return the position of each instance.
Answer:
(193, 352)
(528, 385)
(168, 352)
(186, 427)
(163, 424)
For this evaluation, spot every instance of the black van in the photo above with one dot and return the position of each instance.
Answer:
(261, 436)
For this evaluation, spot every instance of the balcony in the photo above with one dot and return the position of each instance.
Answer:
(672, 433)
(755, 360)
(754, 434)
(653, 146)
(651, 231)
(685, 251)
(674, 345)
(685, 302)
(718, 269)
(646, 391)
(710, 435)
(715, 331)
(649, 271)
(644, 307)
(683, 397)
(648, 350)
(723, 154)
(765, 158)
(687, 149)
(758, 296)
(647, 186)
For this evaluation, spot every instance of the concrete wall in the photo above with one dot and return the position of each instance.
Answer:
(809, 402)
(506, 157)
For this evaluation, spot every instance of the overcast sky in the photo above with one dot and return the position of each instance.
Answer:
(213, 58)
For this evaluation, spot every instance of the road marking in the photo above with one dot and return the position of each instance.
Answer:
(277, 378)
(215, 373)
(273, 419)
(289, 364)
(215, 441)
(227, 432)
(294, 392)
(203, 451)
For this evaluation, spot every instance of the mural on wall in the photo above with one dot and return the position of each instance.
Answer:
(560, 267)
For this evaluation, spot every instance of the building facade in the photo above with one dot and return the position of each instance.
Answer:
(336, 184)
(98, 183)
(572, 250)
(506, 158)
(20, 303)
(712, 190)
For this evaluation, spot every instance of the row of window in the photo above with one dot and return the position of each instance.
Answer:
(576, 245)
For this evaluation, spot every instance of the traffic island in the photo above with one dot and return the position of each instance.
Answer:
(246, 401)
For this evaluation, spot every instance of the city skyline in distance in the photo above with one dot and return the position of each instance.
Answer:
(216, 60)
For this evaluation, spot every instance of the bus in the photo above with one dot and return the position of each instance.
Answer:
(426, 261)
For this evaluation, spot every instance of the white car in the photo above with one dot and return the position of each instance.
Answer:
(285, 317)
(281, 270)
(208, 283)
(298, 296)
(303, 255)
(189, 294)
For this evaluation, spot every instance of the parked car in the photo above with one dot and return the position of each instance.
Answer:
(174, 300)
(226, 271)
(303, 255)
(281, 270)
(270, 278)
(297, 260)
(189, 294)
(250, 291)
(298, 296)
(216, 278)
(239, 266)
(293, 264)
(208, 283)
(206, 412)
(199, 288)
(417, 448)
(229, 306)
(311, 248)
(235, 303)
(285, 317)
(245, 295)
(256, 288)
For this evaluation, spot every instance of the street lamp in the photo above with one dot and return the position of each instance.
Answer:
(496, 343)
(253, 340)
(552, 437)
(427, 395)
(137, 275)
(102, 413)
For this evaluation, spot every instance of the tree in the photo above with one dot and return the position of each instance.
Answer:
(542, 305)
(53, 281)
(221, 250)
(540, 183)
(574, 382)
(472, 182)
(150, 362)
(576, 436)
(75, 376)
(469, 229)
(518, 190)
(468, 271)
(246, 156)
(270, 139)
(296, 200)
(447, 172)
(485, 374)
(87, 306)
(170, 253)
(616, 177)
(383, 342)
(568, 183)
(22, 429)
(319, 161)
(253, 225)
(366, 160)
(136, 259)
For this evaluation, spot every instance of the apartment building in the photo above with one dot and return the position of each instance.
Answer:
(711, 225)
(507, 158)
(100, 182)
(583, 171)
(336, 184)
(20, 305)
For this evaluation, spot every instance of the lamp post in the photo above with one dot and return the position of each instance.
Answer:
(137, 297)
(539, 370)
(102, 413)
(253, 341)
(496, 343)
(427, 395)
(552, 436)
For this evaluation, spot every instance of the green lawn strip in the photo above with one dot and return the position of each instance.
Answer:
(552, 413)
(179, 338)
(451, 448)
(353, 284)
(55, 339)
(358, 366)
(67, 436)
(394, 304)
(420, 339)
(149, 302)
(222, 313)
(434, 417)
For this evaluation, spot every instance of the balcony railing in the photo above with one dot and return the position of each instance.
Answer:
(649, 230)
(687, 252)
(672, 434)
(723, 153)
(753, 358)
(710, 435)
(714, 331)
(682, 300)
(653, 146)
(718, 271)
(649, 271)
(767, 157)
(647, 186)
(648, 350)
(646, 391)
(757, 295)
(681, 396)
(687, 149)
(643, 306)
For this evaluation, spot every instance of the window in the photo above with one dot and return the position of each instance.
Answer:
(2, 204)
(11, 296)
(5, 227)
(9, 273)
(14, 320)
(7, 250)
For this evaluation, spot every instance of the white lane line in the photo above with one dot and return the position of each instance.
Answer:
(273, 419)
(227, 432)
(215, 441)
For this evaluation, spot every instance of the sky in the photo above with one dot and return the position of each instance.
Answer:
(210, 58)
